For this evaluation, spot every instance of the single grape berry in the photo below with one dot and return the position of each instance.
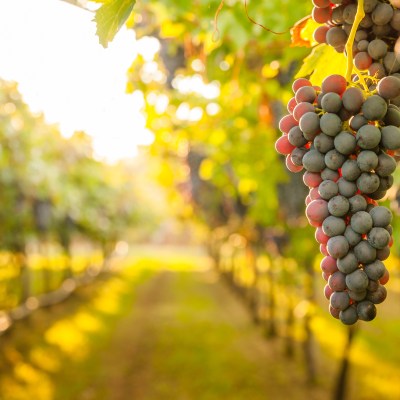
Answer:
(313, 161)
(305, 94)
(357, 122)
(367, 160)
(348, 263)
(335, 37)
(357, 280)
(375, 270)
(368, 137)
(350, 170)
(323, 143)
(331, 124)
(390, 137)
(381, 216)
(338, 206)
(333, 226)
(361, 222)
(389, 87)
(329, 174)
(312, 179)
(368, 182)
(334, 83)
(377, 49)
(345, 142)
(300, 82)
(287, 123)
(309, 124)
(374, 108)
(349, 316)
(331, 102)
(334, 160)
(382, 14)
(364, 252)
(377, 296)
(338, 246)
(302, 108)
(337, 281)
(328, 189)
(340, 300)
(352, 236)
(346, 188)
(357, 203)
(296, 138)
(317, 210)
(353, 99)
(366, 310)
(378, 238)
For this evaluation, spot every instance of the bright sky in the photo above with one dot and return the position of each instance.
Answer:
(49, 47)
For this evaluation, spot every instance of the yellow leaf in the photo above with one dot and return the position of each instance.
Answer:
(323, 61)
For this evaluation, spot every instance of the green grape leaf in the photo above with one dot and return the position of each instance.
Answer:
(324, 60)
(110, 17)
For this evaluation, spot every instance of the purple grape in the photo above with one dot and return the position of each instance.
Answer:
(364, 252)
(340, 300)
(331, 124)
(381, 216)
(361, 222)
(377, 296)
(337, 281)
(352, 237)
(348, 263)
(338, 246)
(366, 310)
(357, 280)
(349, 316)
(374, 107)
(368, 136)
(375, 270)
(333, 226)
(338, 206)
(378, 238)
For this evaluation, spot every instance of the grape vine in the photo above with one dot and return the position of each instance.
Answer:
(344, 134)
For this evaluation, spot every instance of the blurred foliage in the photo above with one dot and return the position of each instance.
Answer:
(214, 86)
(52, 185)
(54, 193)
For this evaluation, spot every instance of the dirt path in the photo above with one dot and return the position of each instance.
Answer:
(189, 338)
(166, 328)
(131, 349)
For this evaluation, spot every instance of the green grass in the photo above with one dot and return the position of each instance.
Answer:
(198, 350)
(56, 354)
(164, 328)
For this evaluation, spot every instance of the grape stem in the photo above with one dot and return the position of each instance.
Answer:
(350, 41)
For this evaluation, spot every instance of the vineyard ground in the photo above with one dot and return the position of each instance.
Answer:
(163, 328)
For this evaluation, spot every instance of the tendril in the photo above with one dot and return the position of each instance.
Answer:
(260, 25)
(215, 35)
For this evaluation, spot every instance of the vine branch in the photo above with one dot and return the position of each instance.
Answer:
(262, 26)
(350, 41)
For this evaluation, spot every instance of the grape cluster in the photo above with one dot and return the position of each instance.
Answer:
(345, 142)
(376, 41)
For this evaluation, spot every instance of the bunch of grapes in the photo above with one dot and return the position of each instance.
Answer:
(345, 141)
(374, 47)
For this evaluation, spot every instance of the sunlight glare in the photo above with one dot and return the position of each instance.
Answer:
(50, 48)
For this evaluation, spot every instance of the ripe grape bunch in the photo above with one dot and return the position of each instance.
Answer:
(345, 138)
(376, 38)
